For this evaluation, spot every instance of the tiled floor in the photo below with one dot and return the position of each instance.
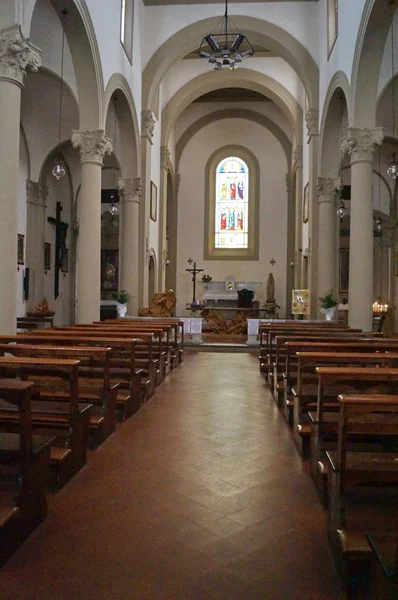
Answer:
(201, 495)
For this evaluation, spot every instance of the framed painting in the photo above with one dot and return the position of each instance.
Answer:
(109, 270)
(21, 249)
(344, 269)
(306, 207)
(154, 202)
(47, 256)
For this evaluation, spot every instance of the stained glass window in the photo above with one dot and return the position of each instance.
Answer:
(232, 203)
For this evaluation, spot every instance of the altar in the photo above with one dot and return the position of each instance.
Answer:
(225, 292)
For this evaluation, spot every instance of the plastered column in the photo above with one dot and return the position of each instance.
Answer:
(360, 145)
(165, 168)
(298, 169)
(326, 189)
(36, 195)
(147, 132)
(93, 145)
(17, 56)
(130, 195)
(312, 119)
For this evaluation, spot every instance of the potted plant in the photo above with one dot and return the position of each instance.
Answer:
(121, 298)
(328, 305)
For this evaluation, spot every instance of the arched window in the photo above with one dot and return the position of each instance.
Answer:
(232, 200)
(232, 205)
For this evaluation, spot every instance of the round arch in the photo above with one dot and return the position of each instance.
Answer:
(246, 78)
(330, 131)
(369, 49)
(85, 57)
(126, 113)
(234, 113)
(260, 32)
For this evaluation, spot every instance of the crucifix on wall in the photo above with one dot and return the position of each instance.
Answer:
(61, 231)
(194, 271)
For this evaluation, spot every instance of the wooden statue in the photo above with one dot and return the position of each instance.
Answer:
(162, 305)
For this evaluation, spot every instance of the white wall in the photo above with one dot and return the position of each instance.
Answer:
(273, 209)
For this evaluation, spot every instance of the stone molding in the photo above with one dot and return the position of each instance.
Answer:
(36, 193)
(165, 161)
(312, 122)
(93, 145)
(298, 157)
(17, 55)
(148, 122)
(130, 189)
(360, 143)
(327, 188)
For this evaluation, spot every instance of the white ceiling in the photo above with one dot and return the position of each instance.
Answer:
(170, 2)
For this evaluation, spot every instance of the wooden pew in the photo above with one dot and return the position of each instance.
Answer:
(24, 471)
(305, 391)
(122, 363)
(68, 423)
(351, 513)
(97, 391)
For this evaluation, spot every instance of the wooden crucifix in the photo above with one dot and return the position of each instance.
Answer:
(194, 272)
(61, 230)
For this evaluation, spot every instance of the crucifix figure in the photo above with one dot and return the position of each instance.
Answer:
(61, 230)
(194, 272)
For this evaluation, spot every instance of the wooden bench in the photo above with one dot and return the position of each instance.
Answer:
(97, 391)
(305, 390)
(352, 471)
(68, 423)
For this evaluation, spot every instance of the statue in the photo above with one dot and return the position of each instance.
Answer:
(270, 289)
(162, 305)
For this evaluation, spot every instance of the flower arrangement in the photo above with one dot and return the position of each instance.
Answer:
(206, 278)
(329, 300)
(122, 297)
(41, 309)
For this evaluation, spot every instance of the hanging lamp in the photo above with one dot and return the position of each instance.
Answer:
(392, 170)
(59, 170)
(223, 47)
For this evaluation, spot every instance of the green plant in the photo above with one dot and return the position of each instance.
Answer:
(329, 300)
(122, 297)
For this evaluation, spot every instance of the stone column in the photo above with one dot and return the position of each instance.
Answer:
(327, 189)
(147, 132)
(360, 145)
(290, 249)
(165, 168)
(312, 118)
(93, 145)
(298, 170)
(130, 194)
(36, 195)
(17, 56)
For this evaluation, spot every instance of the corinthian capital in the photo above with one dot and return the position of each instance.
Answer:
(311, 119)
(327, 187)
(130, 189)
(93, 145)
(17, 55)
(148, 124)
(165, 162)
(298, 157)
(360, 143)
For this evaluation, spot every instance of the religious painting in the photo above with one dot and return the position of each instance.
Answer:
(344, 269)
(109, 270)
(65, 261)
(47, 256)
(154, 202)
(306, 204)
(21, 249)
(232, 198)
(301, 302)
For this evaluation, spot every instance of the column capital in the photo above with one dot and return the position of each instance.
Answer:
(297, 157)
(36, 193)
(130, 189)
(312, 122)
(148, 124)
(360, 143)
(326, 188)
(165, 161)
(93, 145)
(17, 55)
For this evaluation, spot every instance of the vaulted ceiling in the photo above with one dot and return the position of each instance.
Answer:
(169, 2)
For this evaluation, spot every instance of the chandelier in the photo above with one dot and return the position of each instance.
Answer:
(59, 170)
(393, 168)
(224, 47)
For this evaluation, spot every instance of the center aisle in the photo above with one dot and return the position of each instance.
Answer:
(201, 495)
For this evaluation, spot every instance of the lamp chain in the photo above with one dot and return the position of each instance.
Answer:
(61, 92)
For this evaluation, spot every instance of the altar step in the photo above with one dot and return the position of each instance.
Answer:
(219, 347)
